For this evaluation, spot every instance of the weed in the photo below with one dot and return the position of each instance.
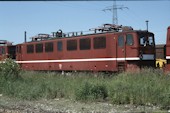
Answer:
(146, 87)
(9, 69)
(89, 91)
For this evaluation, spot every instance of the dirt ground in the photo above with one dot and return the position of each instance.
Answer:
(8, 105)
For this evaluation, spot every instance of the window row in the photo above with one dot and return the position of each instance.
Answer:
(129, 40)
(84, 44)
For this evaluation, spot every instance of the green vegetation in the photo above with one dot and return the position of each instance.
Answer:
(148, 87)
(91, 91)
(9, 69)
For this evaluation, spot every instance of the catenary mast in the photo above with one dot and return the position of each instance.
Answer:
(113, 9)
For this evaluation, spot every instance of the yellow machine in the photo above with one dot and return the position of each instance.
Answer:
(160, 63)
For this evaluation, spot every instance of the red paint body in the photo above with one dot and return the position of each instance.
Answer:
(168, 49)
(111, 57)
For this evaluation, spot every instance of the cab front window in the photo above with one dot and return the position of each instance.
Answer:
(150, 39)
(146, 40)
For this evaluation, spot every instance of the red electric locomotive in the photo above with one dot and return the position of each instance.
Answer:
(168, 50)
(108, 48)
(7, 50)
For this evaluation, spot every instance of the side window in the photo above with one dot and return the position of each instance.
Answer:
(30, 48)
(11, 50)
(121, 41)
(85, 44)
(59, 45)
(49, 47)
(2, 50)
(39, 48)
(71, 45)
(129, 39)
(99, 42)
(19, 49)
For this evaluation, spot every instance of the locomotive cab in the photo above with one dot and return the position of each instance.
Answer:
(141, 53)
(146, 49)
(7, 50)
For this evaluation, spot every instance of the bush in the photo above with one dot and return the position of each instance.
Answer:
(9, 69)
(88, 91)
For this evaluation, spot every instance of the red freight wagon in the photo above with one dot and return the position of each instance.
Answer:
(168, 49)
(109, 48)
(7, 50)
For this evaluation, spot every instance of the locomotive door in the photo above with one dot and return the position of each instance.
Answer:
(19, 54)
(121, 53)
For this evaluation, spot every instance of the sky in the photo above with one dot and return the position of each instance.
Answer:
(49, 16)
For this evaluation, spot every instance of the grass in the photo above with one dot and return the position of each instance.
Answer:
(148, 87)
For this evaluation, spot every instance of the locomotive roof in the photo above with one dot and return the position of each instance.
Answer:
(79, 36)
(5, 43)
(105, 29)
